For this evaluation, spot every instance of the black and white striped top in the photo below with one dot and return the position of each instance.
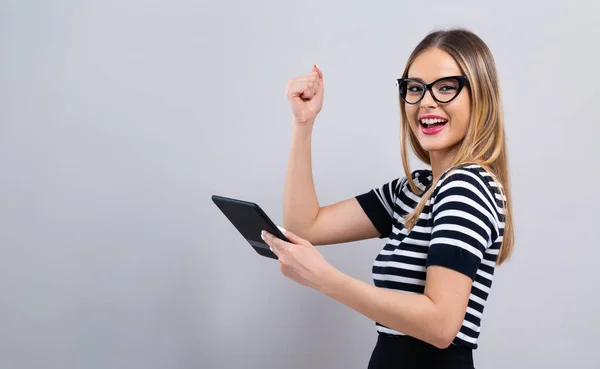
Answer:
(461, 228)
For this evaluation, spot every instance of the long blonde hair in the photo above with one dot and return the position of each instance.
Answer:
(484, 142)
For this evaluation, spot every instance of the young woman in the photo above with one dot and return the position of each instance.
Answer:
(447, 227)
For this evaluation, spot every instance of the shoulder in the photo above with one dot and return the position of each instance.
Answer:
(470, 184)
(466, 196)
(422, 178)
(473, 176)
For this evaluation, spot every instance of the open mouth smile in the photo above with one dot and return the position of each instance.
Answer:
(432, 124)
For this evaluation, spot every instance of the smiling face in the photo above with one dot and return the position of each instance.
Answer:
(439, 127)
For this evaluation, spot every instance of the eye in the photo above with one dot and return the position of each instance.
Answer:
(447, 88)
(415, 88)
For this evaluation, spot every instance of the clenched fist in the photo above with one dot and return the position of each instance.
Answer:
(305, 94)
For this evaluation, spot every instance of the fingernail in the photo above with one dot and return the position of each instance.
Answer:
(281, 229)
(270, 248)
(262, 235)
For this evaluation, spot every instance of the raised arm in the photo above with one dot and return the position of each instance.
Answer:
(340, 222)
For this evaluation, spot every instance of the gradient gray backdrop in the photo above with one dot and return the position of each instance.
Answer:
(119, 120)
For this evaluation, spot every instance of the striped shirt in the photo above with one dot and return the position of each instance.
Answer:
(461, 228)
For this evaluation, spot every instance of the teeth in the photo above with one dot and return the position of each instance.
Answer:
(433, 121)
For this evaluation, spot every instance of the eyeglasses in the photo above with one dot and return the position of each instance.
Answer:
(442, 90)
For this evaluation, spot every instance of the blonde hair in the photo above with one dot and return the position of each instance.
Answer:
(484, 143)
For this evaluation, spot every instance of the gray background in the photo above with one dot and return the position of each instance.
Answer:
(119, 119)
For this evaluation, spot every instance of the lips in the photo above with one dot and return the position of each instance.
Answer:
(432, 124)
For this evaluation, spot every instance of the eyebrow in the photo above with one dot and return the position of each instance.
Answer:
(422, 81)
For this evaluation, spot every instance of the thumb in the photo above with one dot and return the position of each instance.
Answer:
(321, 86)
(316, 69)
(295, 239)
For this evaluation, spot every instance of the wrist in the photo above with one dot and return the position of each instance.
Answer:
(330, 281)
(302, 130)
(303, 122)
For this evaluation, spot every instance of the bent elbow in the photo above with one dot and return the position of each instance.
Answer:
(443, 342)
(445, 336)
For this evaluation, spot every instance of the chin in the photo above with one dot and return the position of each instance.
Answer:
(428, 145)
(432, 143)
(436, 144)
(444, 141)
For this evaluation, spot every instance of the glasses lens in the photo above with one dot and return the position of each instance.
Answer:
(411, 91)
(446, 89)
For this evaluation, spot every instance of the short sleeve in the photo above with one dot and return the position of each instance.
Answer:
(379, 204)
(464, 223)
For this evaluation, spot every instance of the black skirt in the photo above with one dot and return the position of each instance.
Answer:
(405, 352)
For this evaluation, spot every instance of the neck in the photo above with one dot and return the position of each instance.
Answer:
(441, 161)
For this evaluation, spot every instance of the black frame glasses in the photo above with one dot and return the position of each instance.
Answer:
(462, 81)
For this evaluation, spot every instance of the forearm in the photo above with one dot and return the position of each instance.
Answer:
(300, 203)
(413, 314)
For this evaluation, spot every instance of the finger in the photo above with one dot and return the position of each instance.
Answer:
(319, 81)
(308, 93)
(300, 87)
(315, 83)
(273, 247)
(295, 239)
(276, 244)
(321, 86)
(295, 86)
(263, 236)
(316, 69)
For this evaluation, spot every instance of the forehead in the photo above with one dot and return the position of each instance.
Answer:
(433, 64)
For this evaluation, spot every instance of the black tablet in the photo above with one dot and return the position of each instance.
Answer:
(249, 219)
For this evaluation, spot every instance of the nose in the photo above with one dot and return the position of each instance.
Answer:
(428, 100)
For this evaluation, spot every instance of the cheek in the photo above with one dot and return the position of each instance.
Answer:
(411, 113)
(461, 120)
(460, 114)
